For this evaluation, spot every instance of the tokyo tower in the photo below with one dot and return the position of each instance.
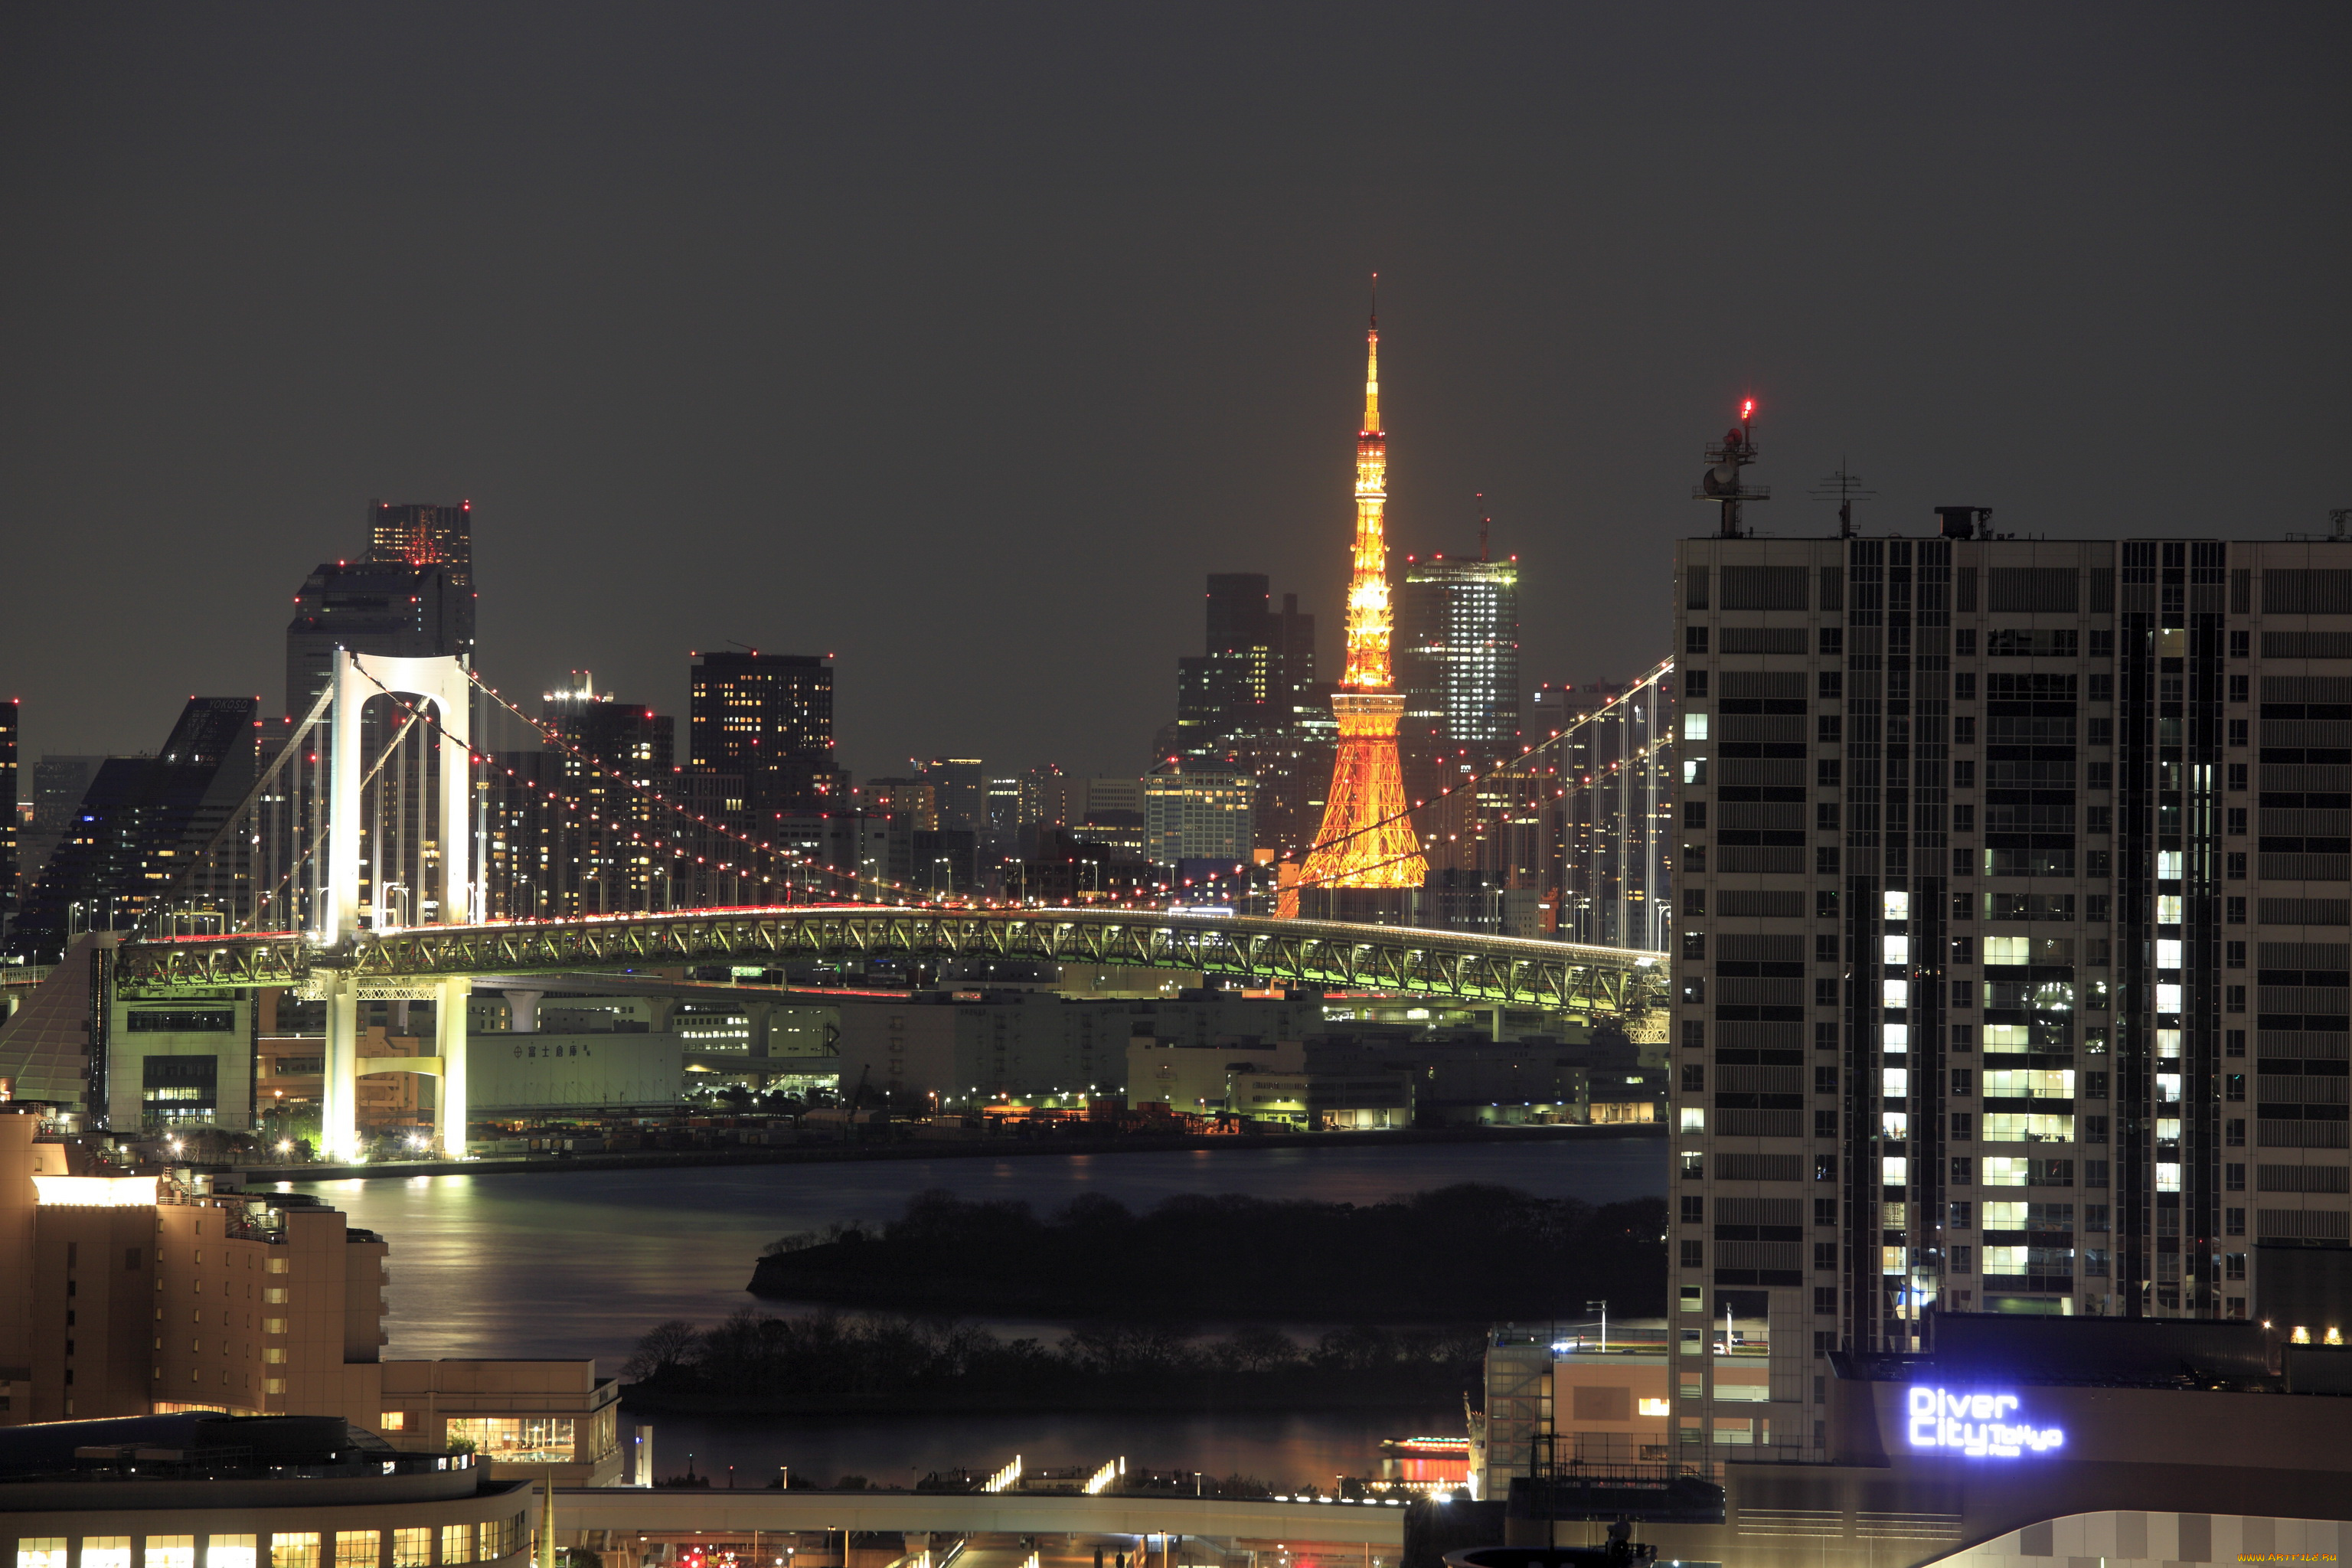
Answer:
(1366, 840)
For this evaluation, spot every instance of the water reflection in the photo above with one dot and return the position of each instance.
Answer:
(581, 1263)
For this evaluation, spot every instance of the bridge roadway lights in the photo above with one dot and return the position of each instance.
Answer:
(1445, 966)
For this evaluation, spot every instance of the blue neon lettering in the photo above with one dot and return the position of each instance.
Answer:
(1976, 1424)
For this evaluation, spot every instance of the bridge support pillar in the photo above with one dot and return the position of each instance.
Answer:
(339, 1108)
(450, 1037)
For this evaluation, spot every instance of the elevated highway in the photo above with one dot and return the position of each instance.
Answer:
(1450, 967)
(678, 1512)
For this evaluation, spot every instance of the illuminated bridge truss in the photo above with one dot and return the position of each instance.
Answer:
(1448, 966)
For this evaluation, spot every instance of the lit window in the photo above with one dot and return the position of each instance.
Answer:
(518, 1440)
(229, 1551)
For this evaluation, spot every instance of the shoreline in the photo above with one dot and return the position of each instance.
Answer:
(824, 1154)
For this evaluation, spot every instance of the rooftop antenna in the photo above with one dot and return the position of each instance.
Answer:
(1844, 487)
(1376, 301)
(1721, 483)
(1483, 520)
(2339, 520)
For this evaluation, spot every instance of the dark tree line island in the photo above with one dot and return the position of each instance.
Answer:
(1465, 1254)
(1418, 1279)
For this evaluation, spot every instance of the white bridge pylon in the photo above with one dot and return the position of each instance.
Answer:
(442, 686)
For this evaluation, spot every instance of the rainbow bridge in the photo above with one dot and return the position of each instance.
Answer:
(1448, 966)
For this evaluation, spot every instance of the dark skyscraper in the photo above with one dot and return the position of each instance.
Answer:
(962, 792)
(381, 607)
(422, 534)
(1258, 671)
(767, 718)
(141, 824)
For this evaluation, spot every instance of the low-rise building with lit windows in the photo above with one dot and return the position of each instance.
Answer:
(130, 1296)
(209, 1491)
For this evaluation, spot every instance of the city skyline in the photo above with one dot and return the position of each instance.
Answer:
(1751, 1014)
(794, 382)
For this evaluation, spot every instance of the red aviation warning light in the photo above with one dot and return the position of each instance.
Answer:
(1722, 481)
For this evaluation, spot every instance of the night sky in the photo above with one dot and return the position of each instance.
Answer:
(960, 340)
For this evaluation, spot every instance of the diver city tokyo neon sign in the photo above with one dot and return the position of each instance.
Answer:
(1975, 1425)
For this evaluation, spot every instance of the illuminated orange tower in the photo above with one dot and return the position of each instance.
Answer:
(1366, 840)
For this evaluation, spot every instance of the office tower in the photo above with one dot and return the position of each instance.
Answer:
(1458, 663)
(1198, 813)
(769, 718)
(916, 800)
(1366, 841)
(423, 536)
(613, 855)
(1046, 793)
(369, 606)
(58, 783)
(1256, 678)
(962, 792)
(2012, 950)
(140, 827)
(1002, 827)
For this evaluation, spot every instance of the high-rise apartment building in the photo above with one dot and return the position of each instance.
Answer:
(768, 718)
(2013, 940)
(424, 535)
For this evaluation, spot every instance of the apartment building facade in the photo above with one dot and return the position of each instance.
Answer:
(2012, 956)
